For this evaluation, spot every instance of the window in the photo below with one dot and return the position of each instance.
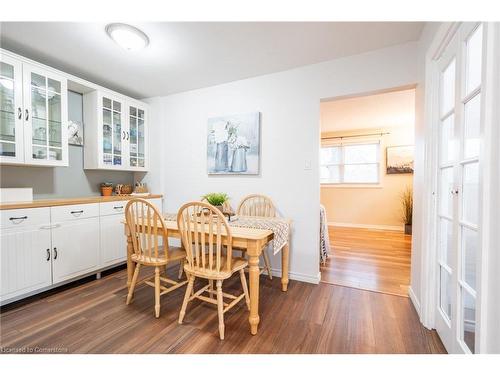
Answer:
(353, 163)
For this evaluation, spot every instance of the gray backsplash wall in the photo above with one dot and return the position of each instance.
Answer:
(63, 182)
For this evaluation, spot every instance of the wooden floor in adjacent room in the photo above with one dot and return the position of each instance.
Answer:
(377, 260)
(92, 317)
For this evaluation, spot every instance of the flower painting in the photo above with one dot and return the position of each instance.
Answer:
(233, 144)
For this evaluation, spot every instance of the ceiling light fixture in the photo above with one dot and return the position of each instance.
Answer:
(126, 36)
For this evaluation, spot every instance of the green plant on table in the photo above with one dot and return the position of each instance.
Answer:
(216, 199)
(106, 184)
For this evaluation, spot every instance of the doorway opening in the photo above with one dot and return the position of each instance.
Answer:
(366, 166)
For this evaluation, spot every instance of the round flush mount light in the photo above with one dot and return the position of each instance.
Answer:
(126, 36)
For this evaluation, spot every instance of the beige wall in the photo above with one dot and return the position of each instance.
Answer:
(371, 206)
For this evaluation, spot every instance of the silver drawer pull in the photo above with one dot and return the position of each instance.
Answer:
(76, 213)
(118, 207)
(50, 226)
(18, 220)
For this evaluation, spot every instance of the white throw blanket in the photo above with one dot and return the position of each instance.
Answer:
(324, 239)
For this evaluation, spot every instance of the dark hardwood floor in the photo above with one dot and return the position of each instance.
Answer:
(92, 318)
(376, 260)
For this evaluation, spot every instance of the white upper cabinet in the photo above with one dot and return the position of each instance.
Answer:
(137, 136)
(115, 132)
(33, 122)
(45, 117)
(34, 119)
(11, 110)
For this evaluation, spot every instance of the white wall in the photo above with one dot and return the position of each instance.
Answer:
(289, 105)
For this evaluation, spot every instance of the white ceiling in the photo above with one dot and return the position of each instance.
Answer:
(186, 56)
(379, 111)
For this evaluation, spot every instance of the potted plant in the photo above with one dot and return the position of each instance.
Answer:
(217, 200)
(106, 189)
(407, 208)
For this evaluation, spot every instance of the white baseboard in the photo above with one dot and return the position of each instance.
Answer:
(298, 276)
(277, 273)
(415, 301)
(368, 226)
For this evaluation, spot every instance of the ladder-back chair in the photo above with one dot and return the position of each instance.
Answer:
(207, 238)
(146, 226)
(258, 205)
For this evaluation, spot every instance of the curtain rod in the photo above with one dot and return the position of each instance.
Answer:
(359, 135)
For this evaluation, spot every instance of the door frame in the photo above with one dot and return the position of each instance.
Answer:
(489, 198)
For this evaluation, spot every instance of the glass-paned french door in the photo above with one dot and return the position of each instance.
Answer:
(11, 111)
(458, 196)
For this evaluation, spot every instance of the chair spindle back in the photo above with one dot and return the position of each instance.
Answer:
(202, 226)
(256, 205)
(145, 224)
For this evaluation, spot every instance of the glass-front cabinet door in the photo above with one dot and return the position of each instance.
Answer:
(137, 136)
(11, 108)
(113, 132)
(45, 117)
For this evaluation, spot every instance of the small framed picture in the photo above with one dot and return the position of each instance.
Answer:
(75, 133)
(400, 159)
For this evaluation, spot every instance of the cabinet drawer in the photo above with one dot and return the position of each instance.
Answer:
(112, 208)
(74, 212)
(118, 207)
(24, 217)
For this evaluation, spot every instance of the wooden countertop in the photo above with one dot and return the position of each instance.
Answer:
(69, 201)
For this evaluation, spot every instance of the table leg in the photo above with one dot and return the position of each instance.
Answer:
(285, 261)
(130, 264)
(253, 261)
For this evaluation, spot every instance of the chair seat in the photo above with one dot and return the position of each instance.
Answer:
(174, 253)
(236, 265)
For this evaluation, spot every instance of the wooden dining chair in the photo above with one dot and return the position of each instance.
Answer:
(258, 205)
(207, 238)
(146, 227)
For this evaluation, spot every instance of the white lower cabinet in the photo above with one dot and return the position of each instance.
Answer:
(75, 248)
(41, 247)
(113, 241)
(25, 259)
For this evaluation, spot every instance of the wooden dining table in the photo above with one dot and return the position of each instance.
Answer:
(253, 240)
